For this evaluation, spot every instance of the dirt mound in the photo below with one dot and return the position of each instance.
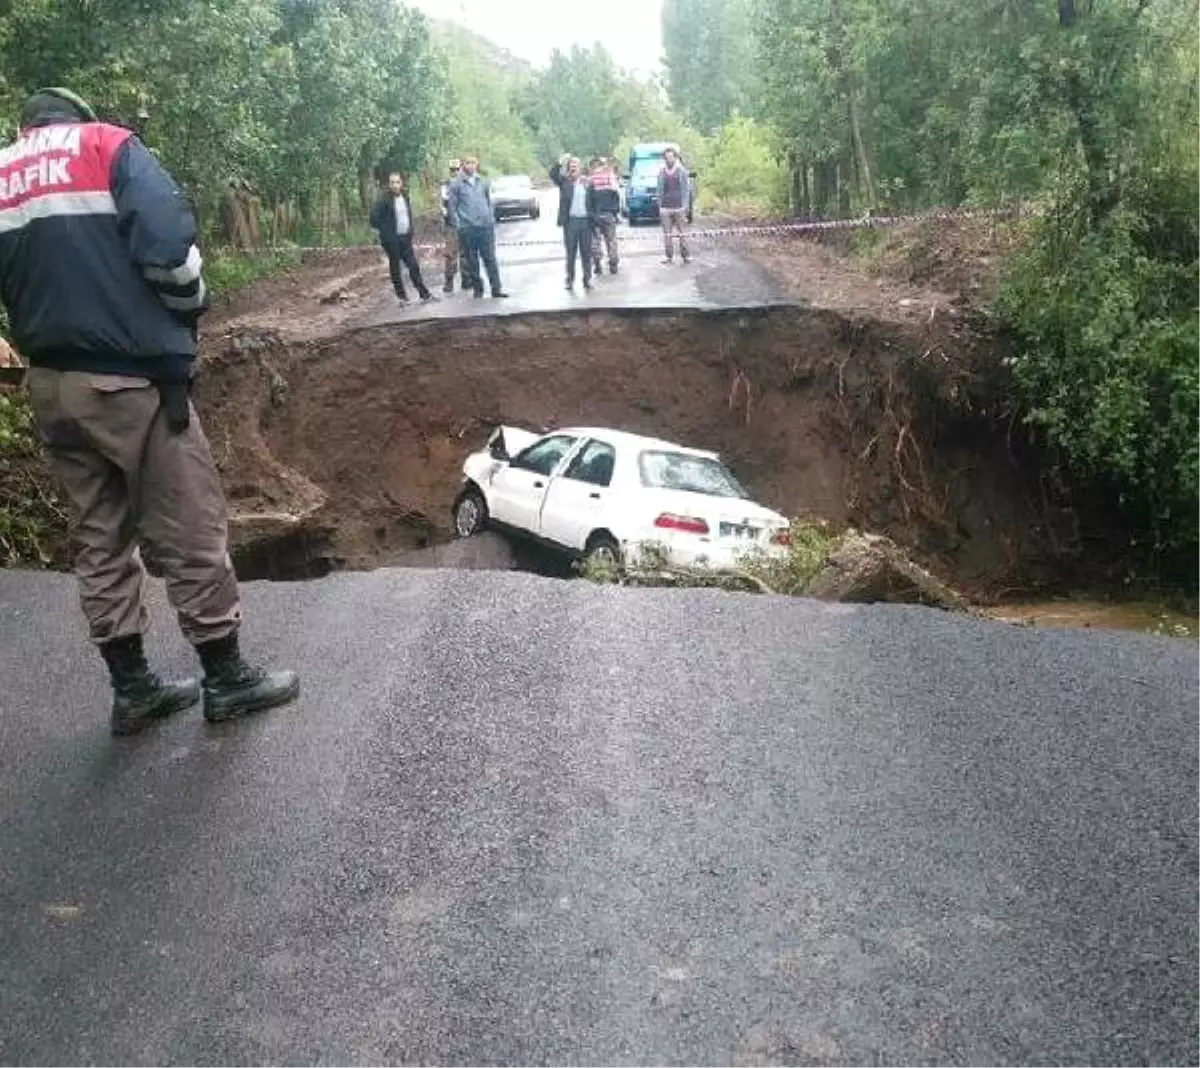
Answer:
(896, 427)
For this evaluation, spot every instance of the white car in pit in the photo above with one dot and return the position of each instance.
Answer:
(606, 495)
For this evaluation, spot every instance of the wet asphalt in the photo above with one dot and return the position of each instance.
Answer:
(532, 264)
(514, 820)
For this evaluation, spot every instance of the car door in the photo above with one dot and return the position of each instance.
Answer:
(518, 489)
(575, 501)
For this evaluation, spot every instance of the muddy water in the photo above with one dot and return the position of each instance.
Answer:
(1150, 617)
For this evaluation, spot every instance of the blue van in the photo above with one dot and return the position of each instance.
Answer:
(639, 183)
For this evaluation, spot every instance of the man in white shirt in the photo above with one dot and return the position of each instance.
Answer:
(576, 206)
(392, 219)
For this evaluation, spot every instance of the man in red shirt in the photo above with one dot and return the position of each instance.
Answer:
(607, 207)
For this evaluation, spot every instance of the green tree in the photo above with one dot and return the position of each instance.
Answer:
(741, 170)
(708, 54)
(294, 100)
(578, 104)
(482, 97)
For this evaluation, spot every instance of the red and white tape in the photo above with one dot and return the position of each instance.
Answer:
(715, 232)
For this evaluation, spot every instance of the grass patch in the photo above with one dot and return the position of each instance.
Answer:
(225, 271)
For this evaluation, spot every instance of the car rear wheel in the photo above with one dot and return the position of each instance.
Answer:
(470, 513)
(602, 551)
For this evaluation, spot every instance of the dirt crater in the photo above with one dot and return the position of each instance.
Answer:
(345, 452)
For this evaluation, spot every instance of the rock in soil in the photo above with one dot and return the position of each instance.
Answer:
(872, 568)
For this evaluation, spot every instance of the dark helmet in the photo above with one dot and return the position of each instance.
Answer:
(55, 102)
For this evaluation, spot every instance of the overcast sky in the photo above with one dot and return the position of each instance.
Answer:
(532, 29)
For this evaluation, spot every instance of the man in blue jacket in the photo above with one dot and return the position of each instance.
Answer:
(470, 206)
(102, 281)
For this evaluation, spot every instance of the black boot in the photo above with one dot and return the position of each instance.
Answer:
(140, 697)
(234, 688)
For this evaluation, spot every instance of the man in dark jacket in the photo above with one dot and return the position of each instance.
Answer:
(102, 281)
(392, 220)
(576, 206)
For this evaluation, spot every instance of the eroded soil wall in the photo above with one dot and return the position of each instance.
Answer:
(358, 442)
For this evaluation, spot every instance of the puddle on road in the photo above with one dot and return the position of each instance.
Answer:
(1151, 617)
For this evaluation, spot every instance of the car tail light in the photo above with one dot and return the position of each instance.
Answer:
(782, 537)
(688, 524)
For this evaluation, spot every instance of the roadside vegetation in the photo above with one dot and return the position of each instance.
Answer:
(1086, 111)
(820, 562)
(33, 522)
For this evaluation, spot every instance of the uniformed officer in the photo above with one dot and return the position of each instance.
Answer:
(102, 280)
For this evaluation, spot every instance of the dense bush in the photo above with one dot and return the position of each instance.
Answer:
(1108, 362)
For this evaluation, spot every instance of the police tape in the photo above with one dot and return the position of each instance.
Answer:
(778, 229)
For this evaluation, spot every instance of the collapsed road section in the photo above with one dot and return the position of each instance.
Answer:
(346, 451)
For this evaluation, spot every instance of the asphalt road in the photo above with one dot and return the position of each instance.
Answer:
(533, 271)
(515, 820)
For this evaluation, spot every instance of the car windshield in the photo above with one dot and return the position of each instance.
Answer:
(690, 473)
(647, 168)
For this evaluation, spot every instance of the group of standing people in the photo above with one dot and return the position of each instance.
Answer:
(590, 204)
(469, 232)
(588, 207)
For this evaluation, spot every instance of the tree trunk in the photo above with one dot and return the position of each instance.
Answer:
(845, 171)
(867, 184)
(826, 191)
(794, 196)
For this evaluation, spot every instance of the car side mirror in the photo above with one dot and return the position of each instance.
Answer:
(497, 447)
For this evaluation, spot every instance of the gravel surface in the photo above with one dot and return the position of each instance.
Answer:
(515, 820)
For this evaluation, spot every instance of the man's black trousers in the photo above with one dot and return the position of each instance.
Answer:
(578, 237)
(400, 253)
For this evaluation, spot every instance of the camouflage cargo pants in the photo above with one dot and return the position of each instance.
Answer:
(604, 227)
(454, 254)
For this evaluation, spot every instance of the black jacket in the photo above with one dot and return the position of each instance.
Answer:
(383, 218)
(99, 268)
(565, 194)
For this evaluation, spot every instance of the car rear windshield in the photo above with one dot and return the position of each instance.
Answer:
(692, 474)
(512, 183)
